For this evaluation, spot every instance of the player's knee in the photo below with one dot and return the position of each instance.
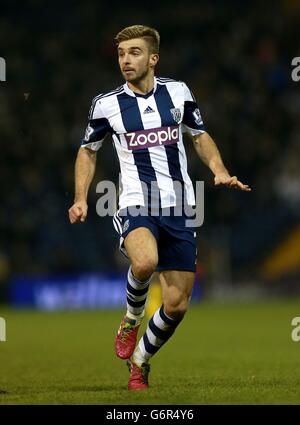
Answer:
(144, 268)
(176, 308)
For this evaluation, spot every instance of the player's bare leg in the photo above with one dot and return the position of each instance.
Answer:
(176, 289)
(141, 248)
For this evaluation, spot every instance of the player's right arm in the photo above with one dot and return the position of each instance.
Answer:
(96, 131)
(85, 166)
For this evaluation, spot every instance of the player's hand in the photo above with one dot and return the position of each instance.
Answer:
(78, 212)
(231, 182)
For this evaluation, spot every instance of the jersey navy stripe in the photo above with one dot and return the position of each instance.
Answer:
(130, 113)
(132, 121)
(164, 104)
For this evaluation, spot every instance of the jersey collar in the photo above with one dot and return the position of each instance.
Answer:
(145, 96)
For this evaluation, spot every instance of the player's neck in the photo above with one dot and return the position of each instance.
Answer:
(143, 86)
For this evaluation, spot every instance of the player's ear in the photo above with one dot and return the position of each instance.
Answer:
(154, 57)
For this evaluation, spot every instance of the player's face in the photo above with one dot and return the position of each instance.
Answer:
(135, 60)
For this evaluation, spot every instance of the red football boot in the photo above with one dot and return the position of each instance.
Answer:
(138, 379)
(126, 338)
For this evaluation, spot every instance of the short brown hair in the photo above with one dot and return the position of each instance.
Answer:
(140, 31)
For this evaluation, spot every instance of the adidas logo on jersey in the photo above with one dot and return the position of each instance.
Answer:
(148, 110)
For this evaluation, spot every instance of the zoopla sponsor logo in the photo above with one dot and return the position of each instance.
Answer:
(154, 137)
(106, 204)
(2, 69)
(2, 330)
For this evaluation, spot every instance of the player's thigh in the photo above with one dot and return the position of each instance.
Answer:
(176, 286)
(141, 247)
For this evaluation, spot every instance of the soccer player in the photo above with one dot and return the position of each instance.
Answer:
(146, 118)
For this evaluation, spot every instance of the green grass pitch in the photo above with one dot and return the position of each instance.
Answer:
(220, 354)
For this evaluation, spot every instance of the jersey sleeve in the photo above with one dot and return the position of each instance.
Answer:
(98, 127)
(192, 121)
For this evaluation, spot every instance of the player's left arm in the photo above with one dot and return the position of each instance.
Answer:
(209, 153)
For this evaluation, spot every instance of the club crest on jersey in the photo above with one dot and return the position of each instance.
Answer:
(176, 114)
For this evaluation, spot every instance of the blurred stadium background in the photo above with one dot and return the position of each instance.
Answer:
(236, 56)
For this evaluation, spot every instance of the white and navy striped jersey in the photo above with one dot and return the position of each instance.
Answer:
(147, 135)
